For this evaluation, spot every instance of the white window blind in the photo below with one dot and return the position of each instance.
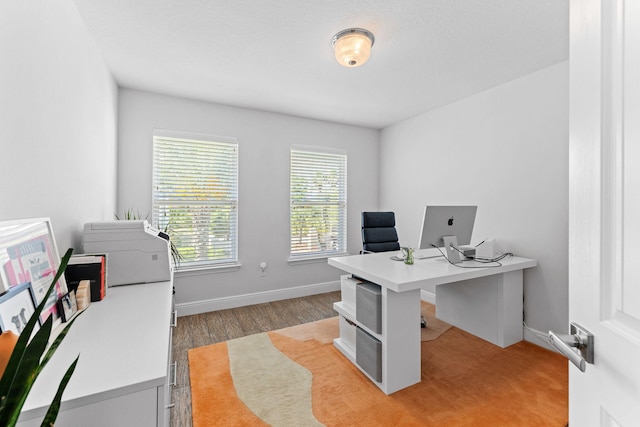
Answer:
(318, 196)
(195, 196)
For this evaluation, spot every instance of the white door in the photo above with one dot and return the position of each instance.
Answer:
(604, 209)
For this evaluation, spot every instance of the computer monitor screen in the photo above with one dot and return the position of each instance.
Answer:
(441, 221)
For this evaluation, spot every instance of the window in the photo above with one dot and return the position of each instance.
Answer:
(195, 196)
(318, 197)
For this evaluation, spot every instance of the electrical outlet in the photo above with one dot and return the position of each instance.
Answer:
(263, 269)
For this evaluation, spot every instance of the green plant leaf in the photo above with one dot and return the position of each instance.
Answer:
(130, 215)
(25, 362)
(31, 369)
(27, 372)
(18, 352)
(58, 341)
(49, 354)
(54, 408)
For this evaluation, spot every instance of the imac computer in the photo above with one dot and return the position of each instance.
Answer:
(444, 221)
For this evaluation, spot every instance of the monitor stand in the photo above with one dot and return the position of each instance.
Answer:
(450, 245)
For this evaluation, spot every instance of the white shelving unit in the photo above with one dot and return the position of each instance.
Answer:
(400, 356)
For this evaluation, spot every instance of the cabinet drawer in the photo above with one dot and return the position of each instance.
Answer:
(369, 306)
(369, 354)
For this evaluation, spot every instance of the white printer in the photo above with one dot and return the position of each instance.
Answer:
(136, 252)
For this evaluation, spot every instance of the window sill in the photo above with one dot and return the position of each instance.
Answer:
(209, 269)
(314, 258)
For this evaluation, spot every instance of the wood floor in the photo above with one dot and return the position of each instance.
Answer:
(208, 328)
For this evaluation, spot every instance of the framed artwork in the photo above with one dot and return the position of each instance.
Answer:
(28, 254)
(68, 306)
(16, 307)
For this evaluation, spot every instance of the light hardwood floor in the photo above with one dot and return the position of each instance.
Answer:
(208, 328)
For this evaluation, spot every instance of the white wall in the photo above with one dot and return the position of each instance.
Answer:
(506, 150)
(57, 119)
(264, 142)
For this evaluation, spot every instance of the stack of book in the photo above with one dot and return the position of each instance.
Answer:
(91, 267)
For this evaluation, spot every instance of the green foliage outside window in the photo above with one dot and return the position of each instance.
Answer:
(318, 203)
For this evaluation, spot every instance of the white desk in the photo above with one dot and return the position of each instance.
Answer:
(486, 302)
(124, 343)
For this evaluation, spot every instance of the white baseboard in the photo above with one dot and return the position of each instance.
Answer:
(197, 307)
(428, 297)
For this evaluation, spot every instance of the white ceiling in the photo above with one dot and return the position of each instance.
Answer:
(275, 55)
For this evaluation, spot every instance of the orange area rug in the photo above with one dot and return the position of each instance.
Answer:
(297, 377)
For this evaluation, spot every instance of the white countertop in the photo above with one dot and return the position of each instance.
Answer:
(122, 342)
(424, 273)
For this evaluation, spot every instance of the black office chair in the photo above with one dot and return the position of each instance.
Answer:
(379, 232)
(379, 235)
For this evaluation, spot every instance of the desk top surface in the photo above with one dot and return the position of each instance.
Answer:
(424, 273)
(123, 344)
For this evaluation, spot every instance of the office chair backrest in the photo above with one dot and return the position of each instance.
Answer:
(379, 232)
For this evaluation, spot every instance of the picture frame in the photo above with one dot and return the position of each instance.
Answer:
(68, 306)
(16, 307)
(28, 253)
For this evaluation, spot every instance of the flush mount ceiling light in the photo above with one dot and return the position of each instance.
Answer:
(352, 46)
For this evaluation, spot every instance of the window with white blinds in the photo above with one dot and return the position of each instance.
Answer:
(195, 196)
(318, 196)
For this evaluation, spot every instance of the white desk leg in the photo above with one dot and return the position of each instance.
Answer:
(487, 307)
(401, 343)
(510, 326)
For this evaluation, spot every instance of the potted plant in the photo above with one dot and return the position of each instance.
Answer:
(130, 215)
(28, 358)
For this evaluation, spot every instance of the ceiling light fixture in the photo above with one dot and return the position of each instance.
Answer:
(352, 46)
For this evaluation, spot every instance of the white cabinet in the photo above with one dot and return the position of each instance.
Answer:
(123, 374)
